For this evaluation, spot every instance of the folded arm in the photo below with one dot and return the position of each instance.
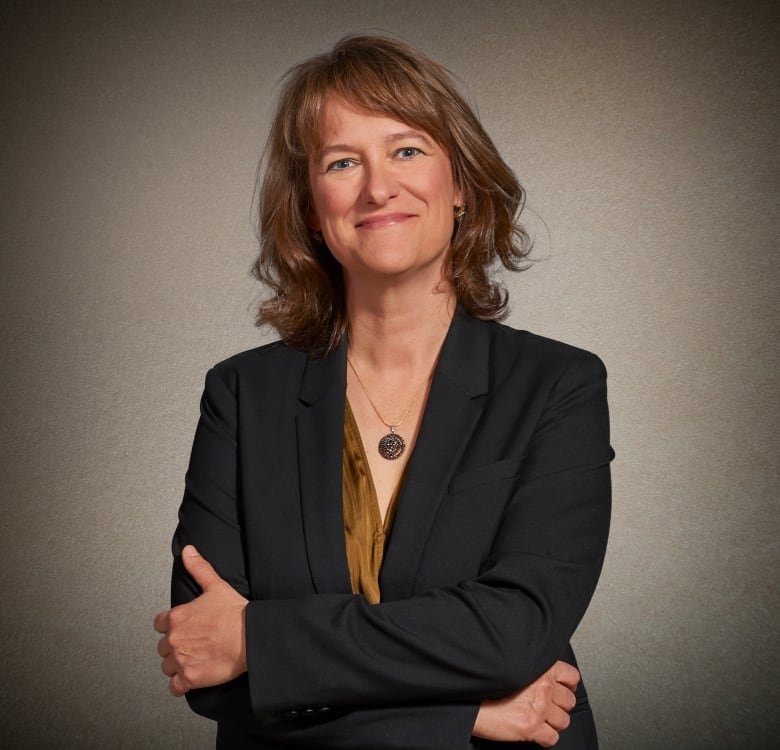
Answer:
(513, 620)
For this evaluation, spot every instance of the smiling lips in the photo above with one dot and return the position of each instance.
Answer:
(380, 221)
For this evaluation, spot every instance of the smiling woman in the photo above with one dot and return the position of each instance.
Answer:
(382, 196)
(395, 517)
(381, 78)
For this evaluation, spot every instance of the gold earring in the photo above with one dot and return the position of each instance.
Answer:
(460, 212)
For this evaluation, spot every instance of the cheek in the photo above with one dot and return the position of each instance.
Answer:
(447, 198)
(319, 199)
(444, 186)
(329, 205)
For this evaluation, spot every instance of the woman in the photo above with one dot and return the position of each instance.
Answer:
(405, 503)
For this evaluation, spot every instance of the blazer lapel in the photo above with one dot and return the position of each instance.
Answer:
(454, 406)
(320, 431)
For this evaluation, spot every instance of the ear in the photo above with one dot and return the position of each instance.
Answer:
(459, 199)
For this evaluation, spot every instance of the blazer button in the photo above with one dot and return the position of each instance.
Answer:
(294, 713)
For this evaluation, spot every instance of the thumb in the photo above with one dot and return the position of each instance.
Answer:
(199, 568)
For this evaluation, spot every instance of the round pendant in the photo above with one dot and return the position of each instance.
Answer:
(391, 446)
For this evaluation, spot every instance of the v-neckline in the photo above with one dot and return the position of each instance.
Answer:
(351, 427)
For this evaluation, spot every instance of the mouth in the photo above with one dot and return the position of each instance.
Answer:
(381, 221)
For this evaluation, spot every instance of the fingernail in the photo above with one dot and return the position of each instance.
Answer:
(190, 551)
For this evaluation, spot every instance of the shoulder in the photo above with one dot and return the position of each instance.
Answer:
(276, 355)
(514, 349)
(263, 367)
(480, 356)
(563, 389)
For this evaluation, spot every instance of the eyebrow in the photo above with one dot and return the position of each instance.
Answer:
(391, 138)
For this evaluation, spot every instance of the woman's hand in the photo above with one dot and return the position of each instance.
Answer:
(203, 641)
(537, 713)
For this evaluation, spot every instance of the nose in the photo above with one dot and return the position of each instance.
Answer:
(380, 183)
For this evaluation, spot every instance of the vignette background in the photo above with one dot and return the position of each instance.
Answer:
(646, 136)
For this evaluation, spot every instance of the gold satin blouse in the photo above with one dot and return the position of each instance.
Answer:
(364, 532)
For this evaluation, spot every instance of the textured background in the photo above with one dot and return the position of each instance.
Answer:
(646, 135)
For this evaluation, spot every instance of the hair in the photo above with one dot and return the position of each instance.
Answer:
(307, 304)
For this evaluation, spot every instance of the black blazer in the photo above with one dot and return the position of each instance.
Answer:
(493, 557)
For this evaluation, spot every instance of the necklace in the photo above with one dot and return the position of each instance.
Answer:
(392, 445)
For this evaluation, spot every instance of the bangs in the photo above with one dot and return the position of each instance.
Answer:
(394, 88)
(384, 77)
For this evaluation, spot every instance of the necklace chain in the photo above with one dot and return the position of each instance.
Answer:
(392, 445)
(391, 425)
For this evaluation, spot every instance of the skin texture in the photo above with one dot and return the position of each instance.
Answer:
(383, 195)
(384, 200)
(203, 642)
(538, 712)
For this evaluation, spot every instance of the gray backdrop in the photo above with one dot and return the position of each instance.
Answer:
(645, 133)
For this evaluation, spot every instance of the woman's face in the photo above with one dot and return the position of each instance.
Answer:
(383, 195)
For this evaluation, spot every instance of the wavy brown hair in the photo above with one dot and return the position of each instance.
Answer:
(307, 303)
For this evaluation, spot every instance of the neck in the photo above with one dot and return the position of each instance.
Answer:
(398, 329)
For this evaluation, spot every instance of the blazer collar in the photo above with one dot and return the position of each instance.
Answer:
(320, 430)
(455, 404)
(453, 409)
(323, 376)
(465, 353)
(463, 361)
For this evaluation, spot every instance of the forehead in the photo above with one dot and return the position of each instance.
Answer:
(340, 122)
(338, 115)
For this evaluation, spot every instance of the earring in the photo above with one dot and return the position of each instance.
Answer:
(460, 212)
(316, 236)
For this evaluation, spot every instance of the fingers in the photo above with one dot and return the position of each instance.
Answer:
(161, 624)
(176, 687)
(169, 666)
(546, 736)
(163, 647)
(199, 568)
(563, 697)
(557, 718)
(565, 673)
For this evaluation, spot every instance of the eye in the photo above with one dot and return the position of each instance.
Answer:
(408, 152)
(340, 165)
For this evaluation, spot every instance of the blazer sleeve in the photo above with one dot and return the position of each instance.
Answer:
(209, 518)
(479, 638)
